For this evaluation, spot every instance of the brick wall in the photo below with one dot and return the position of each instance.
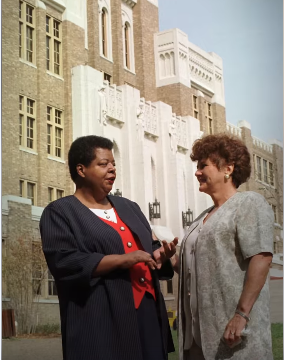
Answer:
(146, 24)
(178, 96)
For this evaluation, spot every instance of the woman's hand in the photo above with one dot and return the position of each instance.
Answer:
(135, 257)
(255, 278)
(233, 330)
(165, 252)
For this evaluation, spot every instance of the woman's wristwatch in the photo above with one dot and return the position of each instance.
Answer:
(243, 315)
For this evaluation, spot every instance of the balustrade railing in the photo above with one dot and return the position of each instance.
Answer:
(234, 130)
(261, 144)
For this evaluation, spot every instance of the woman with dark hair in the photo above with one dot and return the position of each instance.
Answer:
(106, 266)
(224, 261)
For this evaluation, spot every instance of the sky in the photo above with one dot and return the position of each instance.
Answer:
(248, 35)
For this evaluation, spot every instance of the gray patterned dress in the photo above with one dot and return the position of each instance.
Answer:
(241, 228)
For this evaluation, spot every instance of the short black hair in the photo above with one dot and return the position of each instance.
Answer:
(82, 151)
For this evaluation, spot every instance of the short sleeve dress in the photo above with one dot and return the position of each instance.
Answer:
(241, 228)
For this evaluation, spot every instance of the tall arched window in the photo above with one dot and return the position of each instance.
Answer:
(162, 66)
(127, 44)
(173, 70)
(104, 32)
(168, 65)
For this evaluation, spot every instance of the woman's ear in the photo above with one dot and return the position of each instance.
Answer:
(80, 170)
(229, 169)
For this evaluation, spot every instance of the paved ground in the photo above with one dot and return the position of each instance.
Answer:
(50, 349)
(32, 349)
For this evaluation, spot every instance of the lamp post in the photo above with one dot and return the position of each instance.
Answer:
(187, 218)
(154, 210)
(117, 193)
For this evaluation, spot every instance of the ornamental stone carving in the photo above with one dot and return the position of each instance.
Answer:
(140, 121)
(102, 106)
(173, 133)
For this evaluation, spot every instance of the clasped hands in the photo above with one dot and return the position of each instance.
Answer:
(166, 251)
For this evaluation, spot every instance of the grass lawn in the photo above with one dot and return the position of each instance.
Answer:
(277, 342)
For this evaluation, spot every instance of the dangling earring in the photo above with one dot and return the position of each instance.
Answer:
(227, 176)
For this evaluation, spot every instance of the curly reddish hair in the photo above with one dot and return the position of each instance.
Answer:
(224, 150)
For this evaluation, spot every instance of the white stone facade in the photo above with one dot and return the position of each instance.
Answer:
(179, 61)
(151, 149)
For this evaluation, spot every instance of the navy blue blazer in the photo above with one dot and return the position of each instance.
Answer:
(98, 316)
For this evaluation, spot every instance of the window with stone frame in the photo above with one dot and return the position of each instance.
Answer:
(42, 280)
(210, 118)
(258, 168)
(108, 78)
(271, 174)
(27, 32)
(127, 45)
(55, 134)
(265, 171)
(27, 189)
(274, 208)
(195, 106)
(27, 122)
(54, 194)
(51, 291)
(104, 32)
(37, 270)
(274, 247)
(53, 45)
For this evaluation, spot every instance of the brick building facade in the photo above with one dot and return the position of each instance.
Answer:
(79, 67)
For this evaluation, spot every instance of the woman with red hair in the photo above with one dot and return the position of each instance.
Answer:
(224, 261)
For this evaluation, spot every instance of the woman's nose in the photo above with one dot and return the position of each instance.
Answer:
(198, 172)
(111, 168)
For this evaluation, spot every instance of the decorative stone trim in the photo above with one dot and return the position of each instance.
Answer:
(40, 4)
(56, 4)
(18, 199)
(47, 301)
(28, 150)
(28, 63)
(54, 75)
(131, 3)
(261, 144)
(36, 213)
(56, 159)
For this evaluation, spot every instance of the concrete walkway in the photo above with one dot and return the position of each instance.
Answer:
(32, 349)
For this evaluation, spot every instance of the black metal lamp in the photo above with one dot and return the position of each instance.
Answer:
(154, 210)
(187, 218)
(117, 193)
